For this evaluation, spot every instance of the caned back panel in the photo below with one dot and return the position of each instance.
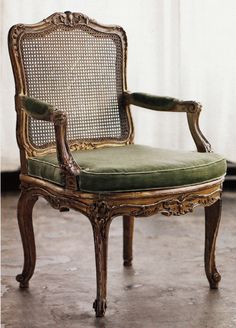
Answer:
(79, 71)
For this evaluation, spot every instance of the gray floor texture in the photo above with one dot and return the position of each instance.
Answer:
(166, 287)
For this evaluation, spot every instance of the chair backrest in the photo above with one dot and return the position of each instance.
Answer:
(79, 66)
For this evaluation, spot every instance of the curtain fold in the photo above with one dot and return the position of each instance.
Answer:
(208, 67)
(182, 48)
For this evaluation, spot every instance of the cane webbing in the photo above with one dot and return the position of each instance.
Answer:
(79, 71)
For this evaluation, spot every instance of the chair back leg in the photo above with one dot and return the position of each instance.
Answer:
(212, 221)
(128, 229)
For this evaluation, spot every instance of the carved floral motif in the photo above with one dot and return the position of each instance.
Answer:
(67, 19)
(175, 205)
(101, 209)
(59, 117)
(100, 214)
(82, 146)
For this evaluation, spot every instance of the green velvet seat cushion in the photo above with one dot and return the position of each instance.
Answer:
(132, 167)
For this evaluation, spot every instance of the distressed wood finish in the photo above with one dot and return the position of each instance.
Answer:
(193, 110)
(212, 222)
(70, 20)
(128, 230)
(24, 213)
(100, 218)
(100, 209)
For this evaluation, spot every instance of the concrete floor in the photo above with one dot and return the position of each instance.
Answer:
(165, 288)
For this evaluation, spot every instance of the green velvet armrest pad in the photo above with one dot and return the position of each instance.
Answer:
(37, 109)
(152, 102)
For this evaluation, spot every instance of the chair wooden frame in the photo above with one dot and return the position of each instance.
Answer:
(102, 208)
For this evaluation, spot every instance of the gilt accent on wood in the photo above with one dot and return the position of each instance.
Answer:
(100, 208)
(212, 221)
(68, 19)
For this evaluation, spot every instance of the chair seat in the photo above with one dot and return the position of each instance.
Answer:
(132, 167)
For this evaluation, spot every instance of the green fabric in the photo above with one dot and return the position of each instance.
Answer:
(37, 109)
(132, 167)
(152, 102)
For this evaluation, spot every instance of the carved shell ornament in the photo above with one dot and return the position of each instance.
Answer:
(67, 19)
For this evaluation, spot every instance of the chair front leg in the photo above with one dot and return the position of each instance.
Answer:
(212, 221)
(24, 213)
(128, 229)
(100, 226)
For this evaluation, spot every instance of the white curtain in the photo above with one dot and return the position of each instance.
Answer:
(180, 48)
(208, 67)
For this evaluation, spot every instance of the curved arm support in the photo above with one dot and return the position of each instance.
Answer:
(42, 111)
(64, 156)
(202, 144)
(191, 108)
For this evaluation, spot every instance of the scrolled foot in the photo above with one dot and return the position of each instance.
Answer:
(214, 280)
(100, 307)
(127, 263)
(212, 221)
(23, 283)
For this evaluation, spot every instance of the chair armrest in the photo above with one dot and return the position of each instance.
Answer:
(40, 110)
(149, 101)
(37, 109)
(191, 108)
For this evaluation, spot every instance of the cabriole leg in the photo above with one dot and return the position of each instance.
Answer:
(100, 232)
(24, 214)
(128, 228)
(212, 221)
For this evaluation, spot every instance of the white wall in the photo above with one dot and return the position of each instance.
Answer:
(174, 49)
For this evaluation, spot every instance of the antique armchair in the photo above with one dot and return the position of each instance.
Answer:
(75, 135)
